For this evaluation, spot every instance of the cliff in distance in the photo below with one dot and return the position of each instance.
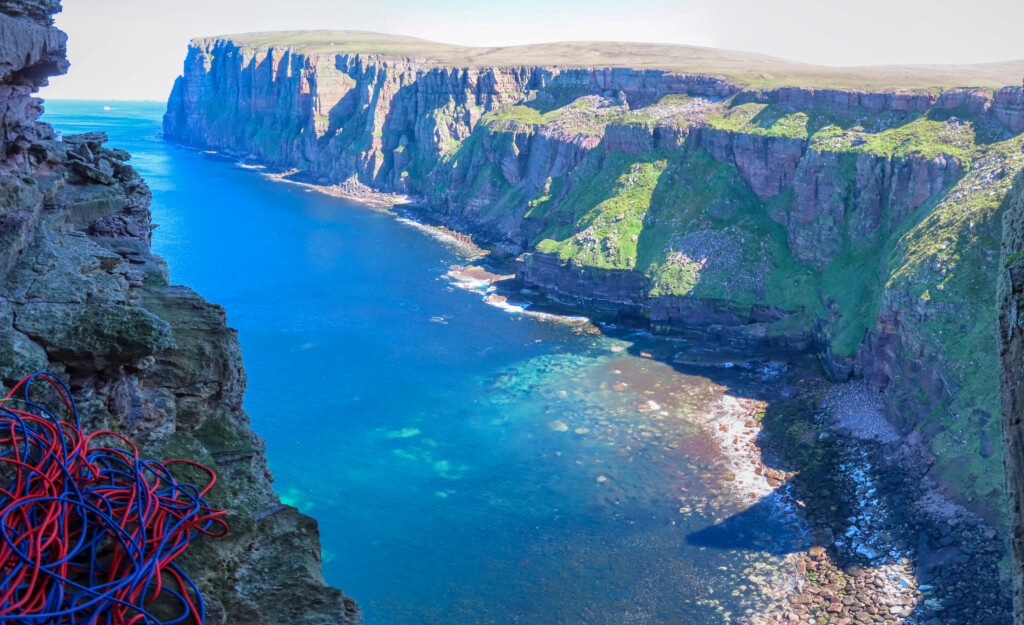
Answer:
(83, 296)
(766, 209)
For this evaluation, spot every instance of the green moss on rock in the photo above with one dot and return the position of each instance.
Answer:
(99, 331)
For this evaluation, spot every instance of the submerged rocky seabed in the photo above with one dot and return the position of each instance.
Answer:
(860, 536)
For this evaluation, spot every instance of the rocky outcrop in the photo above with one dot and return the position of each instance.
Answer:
(846, 101)
(1008, 108)
(1011, 334)
(637, 138)
(872, 193)
(768, 164)
(872, 202)
(82, 295)
(593, 289)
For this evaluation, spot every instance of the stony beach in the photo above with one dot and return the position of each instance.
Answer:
(889, 547)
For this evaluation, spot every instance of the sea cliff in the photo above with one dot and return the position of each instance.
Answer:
(82, 295)
(857, 226)
(1011, 330)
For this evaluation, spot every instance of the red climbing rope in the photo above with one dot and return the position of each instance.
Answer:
(89, 531)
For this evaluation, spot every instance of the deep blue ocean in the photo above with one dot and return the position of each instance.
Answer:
(467, 465)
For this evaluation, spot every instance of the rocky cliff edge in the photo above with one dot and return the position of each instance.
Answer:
(1011, 330)
(82, 295)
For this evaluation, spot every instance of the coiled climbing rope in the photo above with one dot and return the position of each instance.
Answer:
(89, 531)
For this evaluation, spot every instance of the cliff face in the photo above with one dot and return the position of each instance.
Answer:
(347, 114)
(862, 227)
(1011, 331)
(82, 295)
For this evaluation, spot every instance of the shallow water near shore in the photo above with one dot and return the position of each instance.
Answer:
(467, 463)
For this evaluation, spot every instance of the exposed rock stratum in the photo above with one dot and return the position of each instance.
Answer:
(83, 296)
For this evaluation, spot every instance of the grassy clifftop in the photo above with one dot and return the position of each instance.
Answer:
(747, 68)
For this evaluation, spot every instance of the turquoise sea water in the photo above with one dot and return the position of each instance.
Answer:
(467, 465)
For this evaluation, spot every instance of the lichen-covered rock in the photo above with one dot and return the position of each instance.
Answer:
(17, 351)
(108, 333)
(1011, 335)
(82, 295)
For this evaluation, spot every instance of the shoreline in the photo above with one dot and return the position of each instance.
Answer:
(860, 575)
(349, 190)
(822, 578)
(890, 548)
(392, 204)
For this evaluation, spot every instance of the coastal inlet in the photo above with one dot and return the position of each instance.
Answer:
(473, 463)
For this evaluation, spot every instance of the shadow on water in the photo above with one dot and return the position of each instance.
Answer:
(757, 528)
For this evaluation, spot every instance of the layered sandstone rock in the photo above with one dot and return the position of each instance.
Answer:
(1008, 108)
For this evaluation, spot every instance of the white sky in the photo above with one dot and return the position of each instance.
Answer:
(133, 49)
